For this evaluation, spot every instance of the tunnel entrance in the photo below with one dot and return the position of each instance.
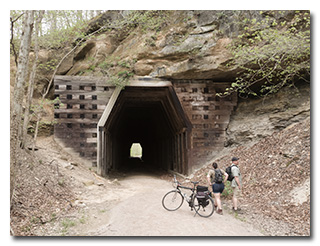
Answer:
(148, 113)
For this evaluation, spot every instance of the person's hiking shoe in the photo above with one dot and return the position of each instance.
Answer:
(219, 211)
(238, 210)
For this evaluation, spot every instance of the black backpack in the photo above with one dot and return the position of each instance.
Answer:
(228, 171)
(218, 176)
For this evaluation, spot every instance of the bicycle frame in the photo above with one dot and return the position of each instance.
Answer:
(172, 202)
(179, 186)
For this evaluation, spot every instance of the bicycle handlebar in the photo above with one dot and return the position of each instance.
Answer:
(184, 187)
(175, 180)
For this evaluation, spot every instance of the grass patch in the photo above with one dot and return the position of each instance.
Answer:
(66, 224)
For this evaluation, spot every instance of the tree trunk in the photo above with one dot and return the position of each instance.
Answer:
(31, 80)
(16, 109)
(11, 40)
(36, 131)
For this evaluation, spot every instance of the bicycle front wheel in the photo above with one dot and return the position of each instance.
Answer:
(172, 200)
(204, 208)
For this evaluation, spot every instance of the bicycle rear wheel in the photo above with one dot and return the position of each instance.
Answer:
(172, 200)
(204, 208)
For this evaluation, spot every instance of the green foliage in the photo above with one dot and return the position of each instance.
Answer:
(227, 192)
(42, 103)
(148, 20)
(38, 110)
(271, 54)
(105, 65)
(59, 28)
(62, 37)
(124, 64)
(49, 65)
(66, 224)
(82, 220)
(118, 71)
(18, 24)
(121, 79)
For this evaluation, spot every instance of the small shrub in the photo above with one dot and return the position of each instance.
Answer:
(227, 192)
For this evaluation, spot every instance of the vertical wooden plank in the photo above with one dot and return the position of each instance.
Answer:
(100, 145)
(103, 150)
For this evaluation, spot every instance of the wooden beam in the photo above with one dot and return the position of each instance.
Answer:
(108, 109)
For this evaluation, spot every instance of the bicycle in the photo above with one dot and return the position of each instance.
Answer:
(173, 200)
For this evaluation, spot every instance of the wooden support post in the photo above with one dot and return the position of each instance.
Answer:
(100, 148)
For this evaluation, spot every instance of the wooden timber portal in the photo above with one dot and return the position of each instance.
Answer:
(180, 124)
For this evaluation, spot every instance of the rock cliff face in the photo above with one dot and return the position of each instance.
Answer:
(175, 45)
(166, 44)
(256, 119)
(183, 45)
(190, 45)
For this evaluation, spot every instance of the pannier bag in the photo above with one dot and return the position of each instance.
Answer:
(202, 195)
(202, 188)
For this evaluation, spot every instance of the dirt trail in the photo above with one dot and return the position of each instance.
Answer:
(128, 205)
(133, 208)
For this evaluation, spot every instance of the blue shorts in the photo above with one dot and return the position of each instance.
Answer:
(218, 187)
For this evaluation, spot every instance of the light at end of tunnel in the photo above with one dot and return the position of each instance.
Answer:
(136, 150)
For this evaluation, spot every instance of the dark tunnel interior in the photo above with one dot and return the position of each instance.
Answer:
(148, 116)
(145, 124)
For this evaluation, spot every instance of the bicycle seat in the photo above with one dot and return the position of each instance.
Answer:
(194, 182)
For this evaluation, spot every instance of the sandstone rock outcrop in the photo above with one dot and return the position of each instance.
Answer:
(190, 45)
(256, 119)
(168, 44)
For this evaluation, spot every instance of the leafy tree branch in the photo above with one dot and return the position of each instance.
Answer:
(271, 55)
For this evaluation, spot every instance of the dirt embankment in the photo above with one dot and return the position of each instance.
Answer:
(276, 180)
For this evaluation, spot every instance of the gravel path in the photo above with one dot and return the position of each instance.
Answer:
(137, 210)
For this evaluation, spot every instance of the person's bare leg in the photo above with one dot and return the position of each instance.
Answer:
(234, 199)
(218, 199)
(215, 200)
